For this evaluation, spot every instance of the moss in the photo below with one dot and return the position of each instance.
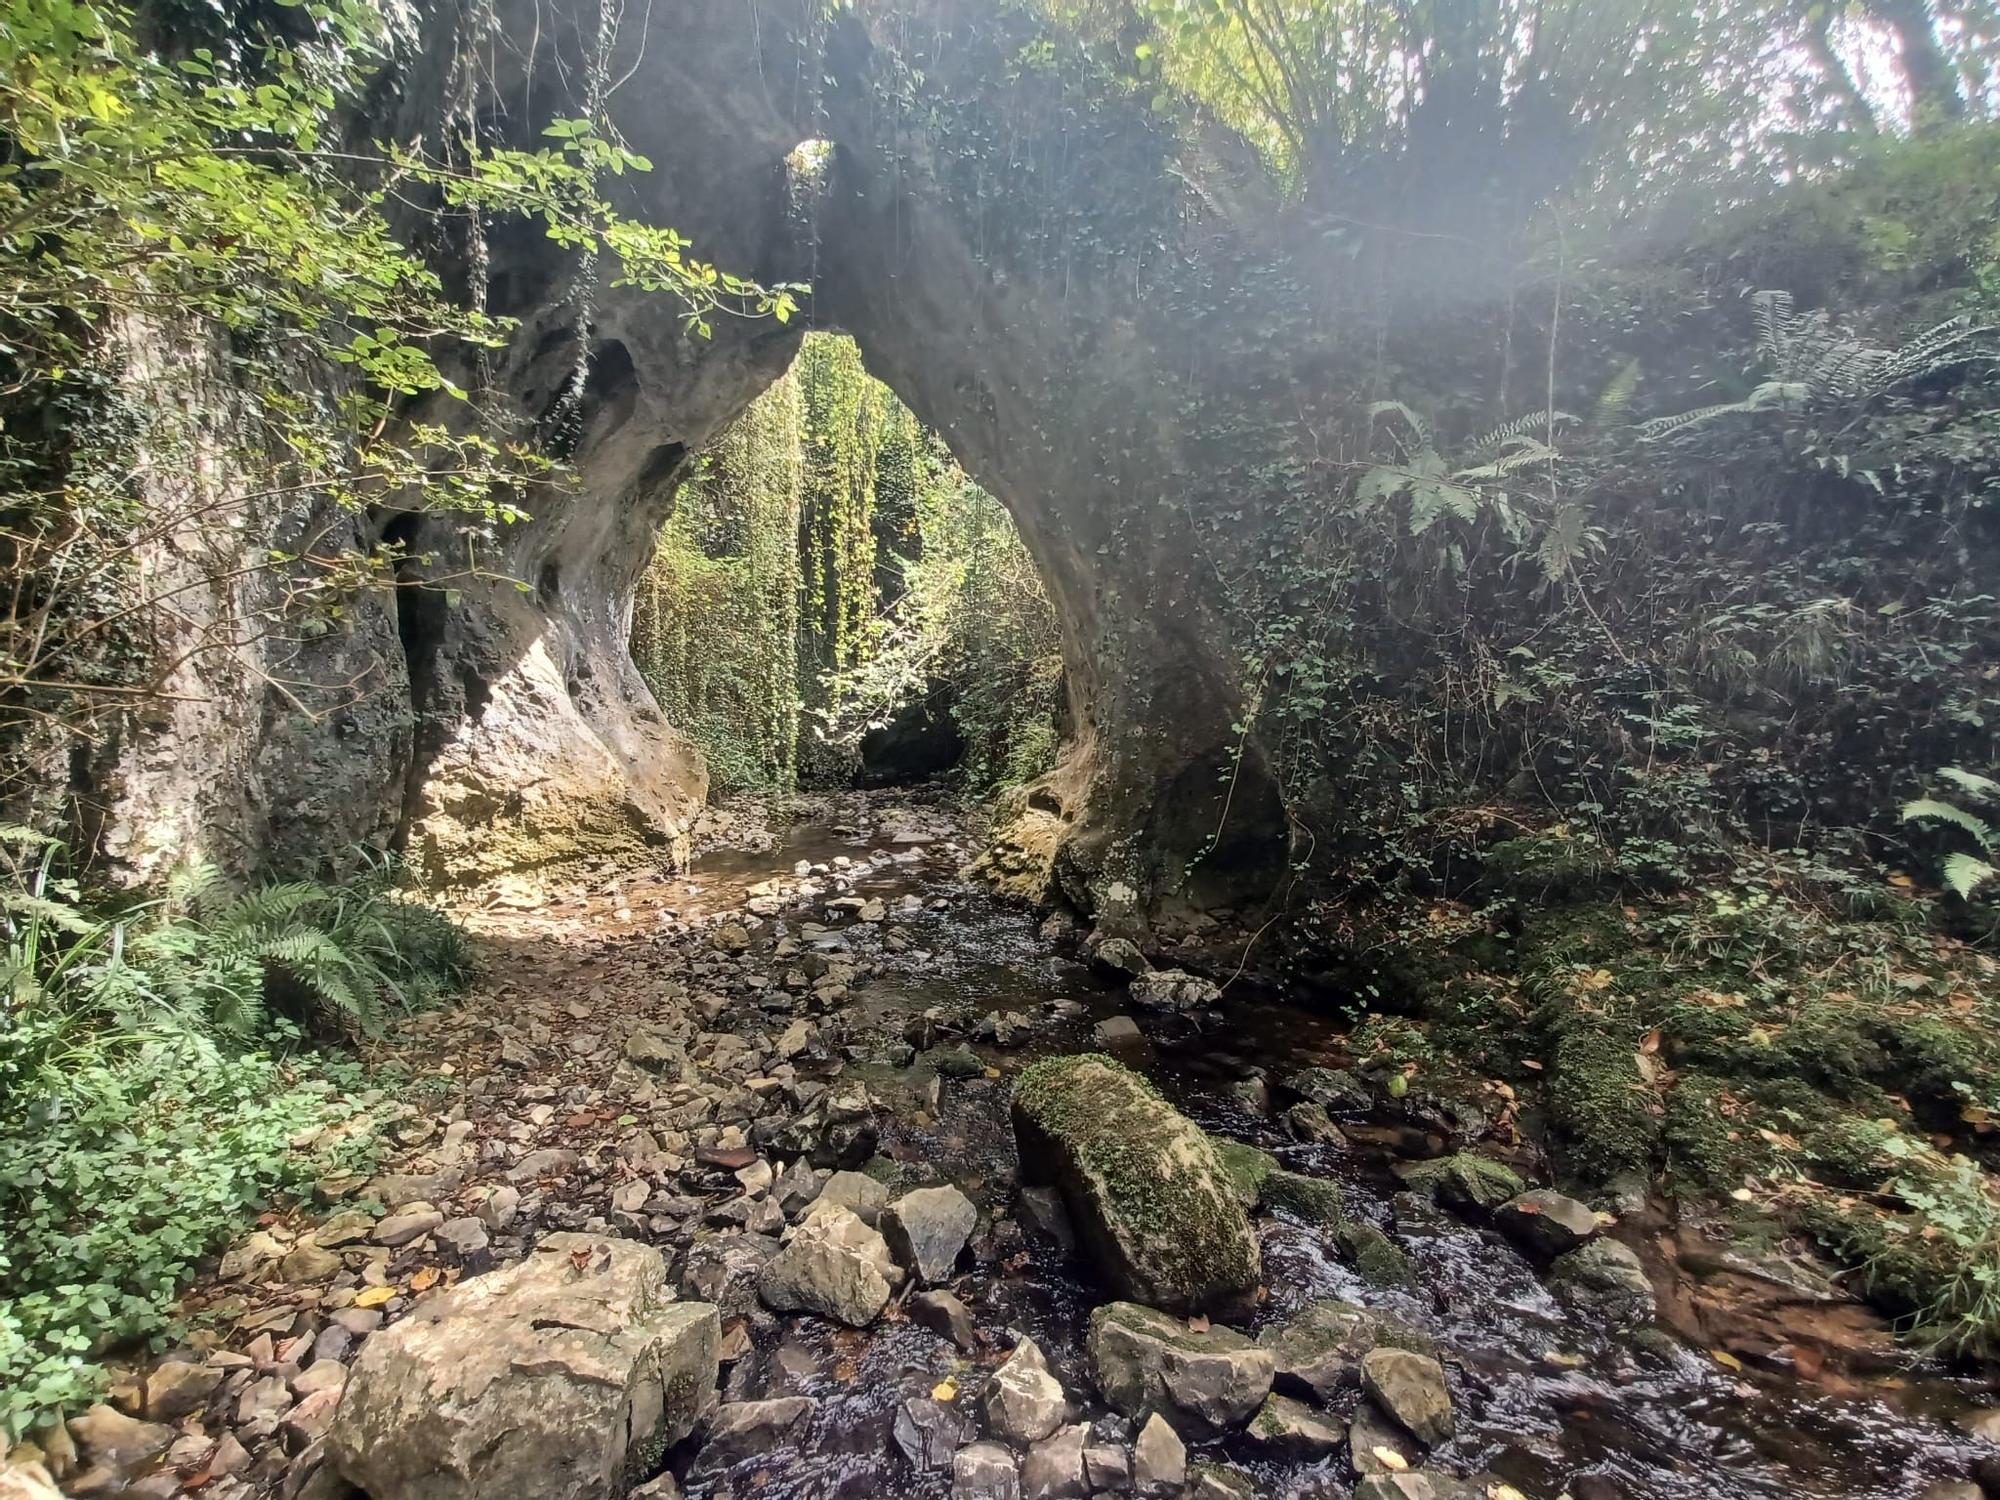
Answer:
(1703, 1146)
(1206, 1478)
(1549, 866)
(1313, 1199)
(1120, 1131)
(1467, 1182)
(1370, 1252)
(1247, 1167)
(1599, 1102)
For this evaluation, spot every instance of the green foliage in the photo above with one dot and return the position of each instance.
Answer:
(113, 1188)
(207, 202)
(1963, 873)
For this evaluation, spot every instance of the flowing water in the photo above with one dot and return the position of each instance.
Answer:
(1546, 1400)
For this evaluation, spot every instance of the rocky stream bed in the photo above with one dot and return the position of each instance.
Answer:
(715, 1186)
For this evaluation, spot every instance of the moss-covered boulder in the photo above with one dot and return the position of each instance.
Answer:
(1152, 1203)
(1203, 1380)
(1247, 1167)
(1318, 1351)
(1471, 1185)
(1311, 1199)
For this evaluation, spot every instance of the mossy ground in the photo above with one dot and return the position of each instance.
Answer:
(1756, 1053)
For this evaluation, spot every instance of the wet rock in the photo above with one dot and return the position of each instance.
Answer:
(661, 1487)
(1147, 1194)
(834, 1265)
(1174, 991)
(1948, 1489)
(562, 1376)
(1107, 1468)
(928, 1228)
(1604, 1279)
(960, 1062)
(1159, 1459)
(744, 1429)
(1042, 1212)
(1118, 958)
(1546, 1224)
(1117, 1031)
(1414, 1486)
(1376, 1445)
(944, 1314)
(1318, 1351)
(723, 1269)
(1466, 1183)
(1411, 1389)
(1311, 1199)
(928, 1433)
(1220, 1482)
(1339, 1093)
(1202, 1382)
(104, 1435)
(1293, 1432)
(178, 1387)
(1247, 1167)
(1308, 1122)
(985, 1471)
(1053, 1469)
(1371, 1253)
(857, 1192)
(1024, 1402)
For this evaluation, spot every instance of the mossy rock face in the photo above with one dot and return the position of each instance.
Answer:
(1469, 1184)
(1313, 1199)
(1371, 1253)
(1247, 1168)
(1599, 1103)
(1319, 1349)
(1154, 1207)
(1203, 1382)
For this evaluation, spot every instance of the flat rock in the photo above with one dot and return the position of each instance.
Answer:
(1546, 1224)
(944, 1314)
(1411, 1388)
(1053, 1469)
(743, 1429)
(1173, 990)
(1151, 1203)
(1314, 1200)
(177, 1387)
(1159, 1458)
(857, 1192)
(1204, 1383)
(1604, 1279)
(1318, 1351)
(560, 1377)
(928, 1433)
(104, 1435)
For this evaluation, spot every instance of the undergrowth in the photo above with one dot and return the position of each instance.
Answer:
(155, 1088)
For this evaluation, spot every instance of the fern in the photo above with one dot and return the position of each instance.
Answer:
(1534, 425)
(1929, 809)
(1614, 402)
(1980, 788)
(1965, 873)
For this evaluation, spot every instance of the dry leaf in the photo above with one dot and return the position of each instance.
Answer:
(1727, 1360)
(374, 1296)
(945, 1390)
(1389, 1459)
(424, 1280)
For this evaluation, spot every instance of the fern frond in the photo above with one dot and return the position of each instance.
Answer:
(1534, 425)
(1614, 402)
(1965, 873)
(1416, 422)
(1775, 319)
(268, 906)
(1654, 430)
(1982, 788)
(1929, 809)
(193, 885)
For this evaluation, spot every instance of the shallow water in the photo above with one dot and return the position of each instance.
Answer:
(1545, 1400)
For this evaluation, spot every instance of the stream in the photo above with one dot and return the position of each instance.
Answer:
(1546, 1401)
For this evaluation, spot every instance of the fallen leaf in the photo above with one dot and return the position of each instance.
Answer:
(1808, 1362)
(374, 1296)
(1389, 1459)
(424, 1280)
(1651, 1042)
(945, 1390)
(1727, 1360)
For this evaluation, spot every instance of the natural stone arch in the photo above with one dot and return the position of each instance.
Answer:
(1049, 394)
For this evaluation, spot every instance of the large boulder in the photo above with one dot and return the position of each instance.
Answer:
(26, 1481)
(564, 1377)
(928, 1228)
(1203, 1382)
(833, 1265)
(1410, 1388)
(1024, 1402)
(1150, 1199)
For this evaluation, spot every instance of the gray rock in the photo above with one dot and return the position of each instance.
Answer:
(499, 1208)
(1108, 1468)
(1411, 1389)
(550, 1161)
(1545, 1223)
(1204, 1383)
(1041, 1212)
(1053, 1469)
(834, 1265)
(744, 1429)
(1318, 1351)
(927, 1229)
(1023, 1401)
(1604, 1279)
(928, 1433)
(723, 1269)
(1220, 1482)
(1174, 990)
(858, 1193)
(1117, 1031)
(1472, 1185)
(1150, 1200)
(1371, 1436)
(1159, 1459)
(1119, 958)
(408, 1224)
(561, 1377)
(1314, 1200)
(1293, 1432)
(944, 1314)
(467, 1235)
(985, 1471)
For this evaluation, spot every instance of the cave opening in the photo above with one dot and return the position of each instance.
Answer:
(833, 602)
